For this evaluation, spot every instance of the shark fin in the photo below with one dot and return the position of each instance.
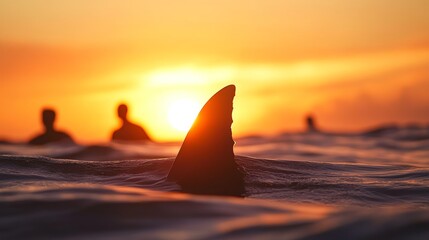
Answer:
(205, 163)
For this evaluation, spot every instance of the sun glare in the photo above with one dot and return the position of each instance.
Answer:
(182, 113)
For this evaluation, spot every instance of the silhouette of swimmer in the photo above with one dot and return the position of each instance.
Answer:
(311, 126)
(205, 163)
(50, 135)
(129, 131)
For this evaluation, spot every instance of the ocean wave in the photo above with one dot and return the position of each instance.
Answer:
(109, 212)
(297, 186)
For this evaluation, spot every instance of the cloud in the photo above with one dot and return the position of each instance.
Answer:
(408, 103)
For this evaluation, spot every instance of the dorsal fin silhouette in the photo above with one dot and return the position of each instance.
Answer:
(205, 163)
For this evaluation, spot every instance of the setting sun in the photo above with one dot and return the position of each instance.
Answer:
(182, 113)
(353, 64)
(242, 118)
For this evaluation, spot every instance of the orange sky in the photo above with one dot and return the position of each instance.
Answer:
(353, 64)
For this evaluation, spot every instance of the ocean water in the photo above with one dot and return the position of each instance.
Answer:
(372, 185)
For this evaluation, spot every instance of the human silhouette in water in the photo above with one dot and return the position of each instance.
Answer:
(129, 131)
(311, 126)
(50, 135)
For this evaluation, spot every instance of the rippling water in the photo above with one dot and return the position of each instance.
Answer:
(298, 186)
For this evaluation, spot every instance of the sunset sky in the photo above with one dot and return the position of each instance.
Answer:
(352, 64)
